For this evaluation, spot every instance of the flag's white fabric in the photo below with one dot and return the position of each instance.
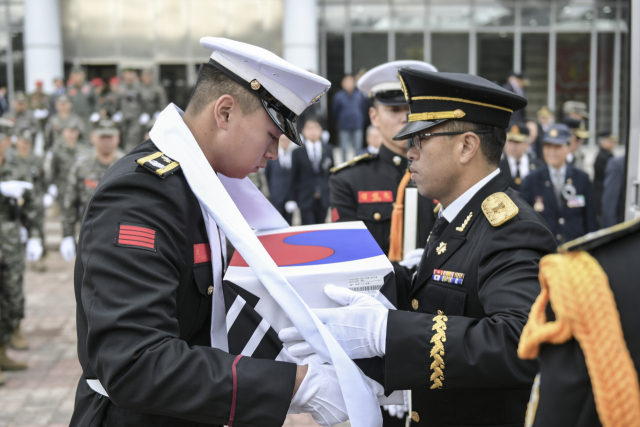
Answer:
(171, 135)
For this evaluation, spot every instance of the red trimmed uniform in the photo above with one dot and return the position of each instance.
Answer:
(143, 285)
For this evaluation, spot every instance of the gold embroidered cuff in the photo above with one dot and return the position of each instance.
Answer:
(439, 115)
(437, 351)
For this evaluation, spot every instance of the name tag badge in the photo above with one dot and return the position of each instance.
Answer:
(576, 201)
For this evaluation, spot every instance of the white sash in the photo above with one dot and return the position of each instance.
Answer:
(173, 138)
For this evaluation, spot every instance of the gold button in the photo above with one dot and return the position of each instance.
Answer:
(561, 221)
(415, 304)
(414, 416)
(210, 290)
(377, 216)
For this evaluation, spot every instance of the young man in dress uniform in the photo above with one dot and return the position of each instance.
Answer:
(560, 192)
(365, 188)
(478, 276)
(516, 164)
(144, 276)
(593, 288)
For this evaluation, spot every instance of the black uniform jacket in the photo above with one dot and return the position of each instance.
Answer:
(306, 183)
(484, 382)
(565, 223)
(376, 174)
(565, 396)
(512, 180)
(144, 313)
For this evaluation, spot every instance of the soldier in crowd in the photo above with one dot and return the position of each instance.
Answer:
(129, 105)
(21, 116)
(516, 163)
(365, 188)
(111, 99)
(516, 83)
(613, 192)
(83, 179)
(58, 89)
(64, 117)
(576, 110)
(63, 156)
(579, 134)
(99, 91)
(17, 218)
(153, 95)
(38, 100)
(80, 94)
(544, 123)
(560, 192)
(607, 143)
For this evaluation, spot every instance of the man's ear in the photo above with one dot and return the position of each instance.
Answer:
(470, 147)
(223, 109)
(373, 116)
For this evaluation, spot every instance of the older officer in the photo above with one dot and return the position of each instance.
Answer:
(517, 164)
(560, 192)
(365, 188)
(478, 276)
(144, 277)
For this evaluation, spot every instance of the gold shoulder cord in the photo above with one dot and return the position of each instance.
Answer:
(582, 300)
(437, 351)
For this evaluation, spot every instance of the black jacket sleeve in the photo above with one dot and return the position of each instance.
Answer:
(342, 198)
(478, 353)
(129, 298)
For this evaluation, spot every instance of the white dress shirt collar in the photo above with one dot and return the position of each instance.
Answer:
(454, 208)
(314, 149)
(523, 165)
(563, 173)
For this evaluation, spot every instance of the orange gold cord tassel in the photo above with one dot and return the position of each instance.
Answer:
(397, 221)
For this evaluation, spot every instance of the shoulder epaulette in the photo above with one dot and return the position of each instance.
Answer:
(160, 164)
(601, 237)
(353, 161)
(499, 208)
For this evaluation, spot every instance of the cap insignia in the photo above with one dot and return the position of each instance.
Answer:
(499, 208)
(553, 133)
(404, 88)
(255, 85)
(515, 130)
(317, 98)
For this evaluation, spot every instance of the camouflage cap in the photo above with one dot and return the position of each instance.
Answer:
(77, 68)
(25, 133)
(6, 127)
(71, 124)
(106, 127)
(63, 98)
(20, 97)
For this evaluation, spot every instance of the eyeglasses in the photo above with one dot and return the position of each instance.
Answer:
(416, 139)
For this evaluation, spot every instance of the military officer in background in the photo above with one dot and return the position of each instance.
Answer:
(63, 118)
(62, 158)
(366, 187)
(592, 288)
(477, 278)
(129, 107)
(21, 116)
(516, 163)
(81, 94)
(579, 134)
(560, 192)
(82, 181)
(154, 98)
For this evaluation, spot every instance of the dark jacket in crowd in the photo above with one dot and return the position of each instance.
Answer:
(613, 193)
(279, 180)
(599, 167)
(310, 187)
(348, 110)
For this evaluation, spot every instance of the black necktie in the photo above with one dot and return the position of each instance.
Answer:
(518, 168)
(436, 231)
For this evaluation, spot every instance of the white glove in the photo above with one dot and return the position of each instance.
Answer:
(14, 189)
(290, 206)
(34, 249)
(321, 396)
(94, 117)
(412, 258)
(40, 113)
(47, 200)
(68, 248)
(144, 118)
(398, 410)
(360, 328)
(117, 117)
(24, 235)
(53, 190)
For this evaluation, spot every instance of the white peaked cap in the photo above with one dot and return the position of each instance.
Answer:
(385, 77)
(293, 86)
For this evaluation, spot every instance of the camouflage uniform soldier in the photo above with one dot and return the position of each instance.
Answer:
(153, 96)
(63, 156)
(61, 119)
(38, 100)
(80, 94)
(16, 211)
(111, 98)
(83, 179)
(130, 106)
(20, 115)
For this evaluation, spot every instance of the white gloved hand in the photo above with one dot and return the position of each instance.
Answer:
(144, 118)
(398, 410)
(94, 117)
(360, 328)
(40, 113)
(34, 249)
(14, 189)
(117, 117)
(68, 248)
(290, 206)
(53, 190)
(320, 395)
(24, 235)
(47, 200)
(412, 258)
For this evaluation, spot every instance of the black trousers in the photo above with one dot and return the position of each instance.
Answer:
(316, 214)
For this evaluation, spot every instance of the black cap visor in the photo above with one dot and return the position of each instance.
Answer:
(280, 114)
(415, 127)
(392, 98)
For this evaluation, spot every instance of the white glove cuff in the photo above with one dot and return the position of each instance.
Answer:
(381, 344)
(308, 388)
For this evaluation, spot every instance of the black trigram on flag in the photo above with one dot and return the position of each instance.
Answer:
(247, 332)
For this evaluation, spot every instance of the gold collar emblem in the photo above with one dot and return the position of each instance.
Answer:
(442, 248)
(464, 224)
